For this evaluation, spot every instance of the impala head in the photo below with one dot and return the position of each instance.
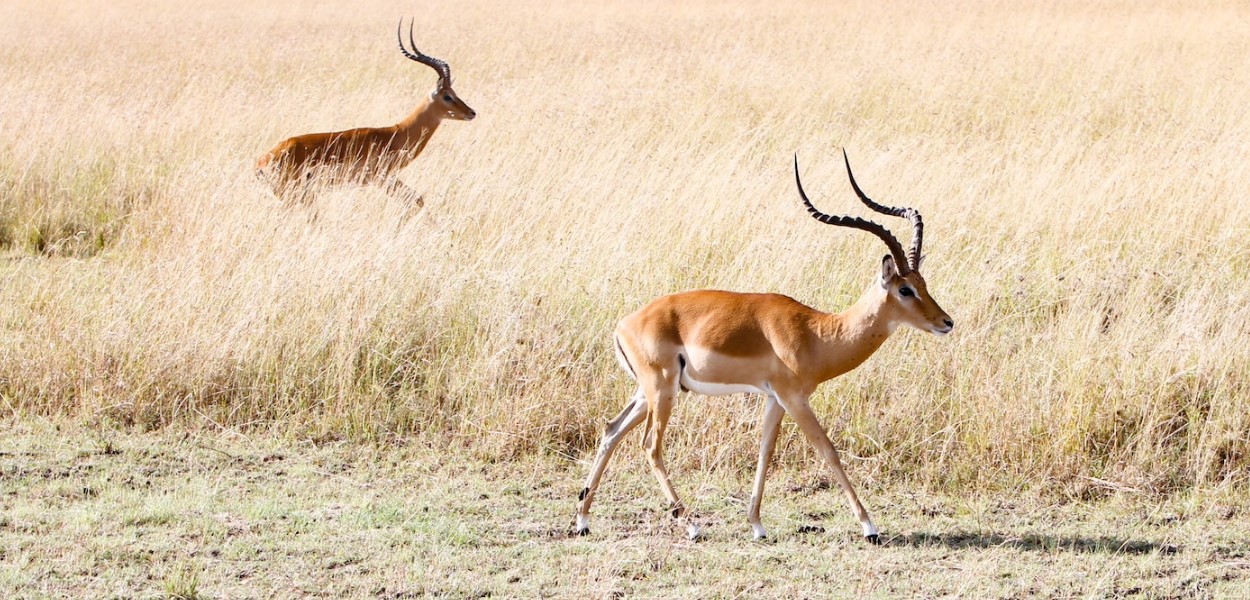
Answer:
(907, 295)
(443, 96)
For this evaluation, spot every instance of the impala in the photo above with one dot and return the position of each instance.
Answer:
(367, 155)
(717, 343)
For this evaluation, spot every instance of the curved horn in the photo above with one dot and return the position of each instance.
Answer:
(910, 214)
(896, 249)
(444, 71)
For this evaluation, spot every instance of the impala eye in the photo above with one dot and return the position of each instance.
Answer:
(446, 98)
(906, 292)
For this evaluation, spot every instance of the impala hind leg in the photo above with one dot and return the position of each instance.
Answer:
(623, 423)
(289, 189)
(770, 425)
(802, 413)
(661, 406)
(298, 197)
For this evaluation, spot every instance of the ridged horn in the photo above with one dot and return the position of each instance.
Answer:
(444, 71)
(910, 214)
(896, 249)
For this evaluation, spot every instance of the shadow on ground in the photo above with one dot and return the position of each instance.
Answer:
(964, 540)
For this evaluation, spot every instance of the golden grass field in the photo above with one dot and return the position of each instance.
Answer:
(1081, 168)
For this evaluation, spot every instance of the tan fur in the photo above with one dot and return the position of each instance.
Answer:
(792, 346)
(768, 342)
(364, 156)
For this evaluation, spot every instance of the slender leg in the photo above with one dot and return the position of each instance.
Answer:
(770, 425)
(291, 190)
(411, 199)
(298, 195)
(661, 404)
(802, 413)
(623, 423)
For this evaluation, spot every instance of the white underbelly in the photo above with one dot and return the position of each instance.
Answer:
(700, 363)
(718, 389)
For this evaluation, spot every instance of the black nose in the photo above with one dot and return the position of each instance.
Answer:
(949, 323)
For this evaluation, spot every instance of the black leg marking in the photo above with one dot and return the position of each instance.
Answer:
(582, 496)
(583, 532)
(873, 539)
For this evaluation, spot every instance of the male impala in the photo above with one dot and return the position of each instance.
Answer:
(367, 155)
(716, 343)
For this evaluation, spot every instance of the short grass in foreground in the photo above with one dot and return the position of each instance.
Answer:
(163, 515)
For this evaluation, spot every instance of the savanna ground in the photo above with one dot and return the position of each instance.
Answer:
(109, 514)
(208, 394)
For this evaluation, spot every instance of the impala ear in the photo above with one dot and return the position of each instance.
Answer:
(888, 270)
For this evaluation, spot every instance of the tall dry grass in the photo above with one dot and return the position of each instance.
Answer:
(1081, 168)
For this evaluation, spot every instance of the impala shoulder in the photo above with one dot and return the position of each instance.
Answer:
(780, 300)
(785, 307)
(372, 132)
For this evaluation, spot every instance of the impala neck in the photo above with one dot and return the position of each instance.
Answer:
(415, 130)
(851, 336)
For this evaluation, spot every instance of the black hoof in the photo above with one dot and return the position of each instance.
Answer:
(873, 539)
(583, 532)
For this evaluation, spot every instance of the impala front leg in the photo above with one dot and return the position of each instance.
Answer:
(398, 190)
(802, 413)
(770, 425)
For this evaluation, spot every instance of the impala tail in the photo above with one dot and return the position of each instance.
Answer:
(623, 358)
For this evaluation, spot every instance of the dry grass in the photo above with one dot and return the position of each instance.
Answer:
(1081, 168)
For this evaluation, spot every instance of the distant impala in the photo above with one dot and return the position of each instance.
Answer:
(716, 343)
(367, 155)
